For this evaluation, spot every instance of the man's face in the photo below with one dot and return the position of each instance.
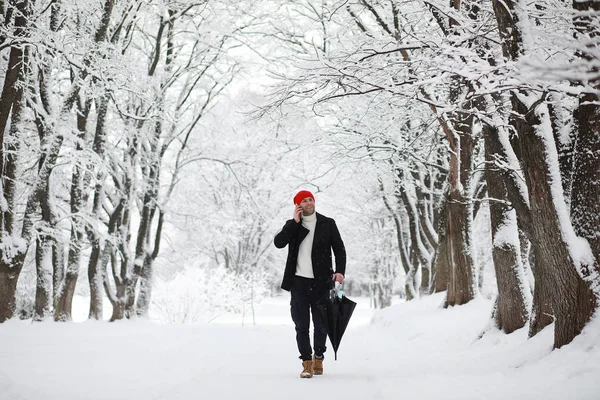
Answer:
(308, 206)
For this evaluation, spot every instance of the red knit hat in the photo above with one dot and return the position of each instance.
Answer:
(301, 195)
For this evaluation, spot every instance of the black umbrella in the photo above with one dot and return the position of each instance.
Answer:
(335, 311)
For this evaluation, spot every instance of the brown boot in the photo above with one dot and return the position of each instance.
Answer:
(318, 365)
(307, 372)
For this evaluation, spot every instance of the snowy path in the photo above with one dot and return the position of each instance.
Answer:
(411, 351)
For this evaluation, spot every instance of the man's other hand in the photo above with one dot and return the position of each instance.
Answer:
(338, 277)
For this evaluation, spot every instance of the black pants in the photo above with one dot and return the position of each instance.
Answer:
(305, 295)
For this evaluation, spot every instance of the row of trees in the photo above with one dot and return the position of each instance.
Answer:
(434, 111)
(100, 104)
(462, 103)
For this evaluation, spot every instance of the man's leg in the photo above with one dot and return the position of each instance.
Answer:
(299, 306)
(319, 293)
(320, 334)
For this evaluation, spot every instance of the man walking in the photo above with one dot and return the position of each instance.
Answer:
(310, 237)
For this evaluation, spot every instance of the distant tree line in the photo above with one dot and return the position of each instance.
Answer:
(99, 106)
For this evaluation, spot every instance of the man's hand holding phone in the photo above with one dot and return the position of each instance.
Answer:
(297, 213)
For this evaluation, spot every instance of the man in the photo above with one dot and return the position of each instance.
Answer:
(310, 237)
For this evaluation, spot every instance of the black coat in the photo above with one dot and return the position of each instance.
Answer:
(326, 238)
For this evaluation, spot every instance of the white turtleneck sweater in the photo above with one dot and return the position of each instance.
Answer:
(304, 267)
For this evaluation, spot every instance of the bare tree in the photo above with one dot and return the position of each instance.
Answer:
(80, 182)
(13, 248)
(560, 290)
(189, 82)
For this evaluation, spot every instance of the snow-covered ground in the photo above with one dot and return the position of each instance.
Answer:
(411, 351)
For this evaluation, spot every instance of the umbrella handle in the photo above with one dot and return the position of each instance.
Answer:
(333, 292)
(340, 291)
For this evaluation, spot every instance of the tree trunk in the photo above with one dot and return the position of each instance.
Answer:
(461, 288)
(8, 288)
(9, 275)
(142, 264)
(147, 271)
(120, 305)
(64, 304)
(45, 250)
(123, 298)
(79, 180)
(425, 281)
(13, 247)
(513, 300)
(555, 272)
(96, 272)
(96, 281)
(585, 204)
(43, 288)
(420, 258)
(460, 285)
(145, 296)
(565, 146)
(409, 286)
(526, 259)
(14, 71)
(428, 237)
(586, 186)
(441, 264)
(414, 252)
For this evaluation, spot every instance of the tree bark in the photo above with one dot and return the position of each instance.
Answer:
(96, 280)
(96, 273)
(142, 264)
(460, 285)
(565, 147)
(513, 300)
(409, 287)
(14, 71)
(416, 256)
(585, 207)
(43, 287)
(427, 239)
(123, 298)
(555, 270)
(461, 288)
(9, 275)
(441, 264)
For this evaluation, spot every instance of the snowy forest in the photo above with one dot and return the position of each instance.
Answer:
(151, 150)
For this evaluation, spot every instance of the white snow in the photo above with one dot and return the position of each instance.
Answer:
(413, 350)
(508, 234)
(10, 246)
